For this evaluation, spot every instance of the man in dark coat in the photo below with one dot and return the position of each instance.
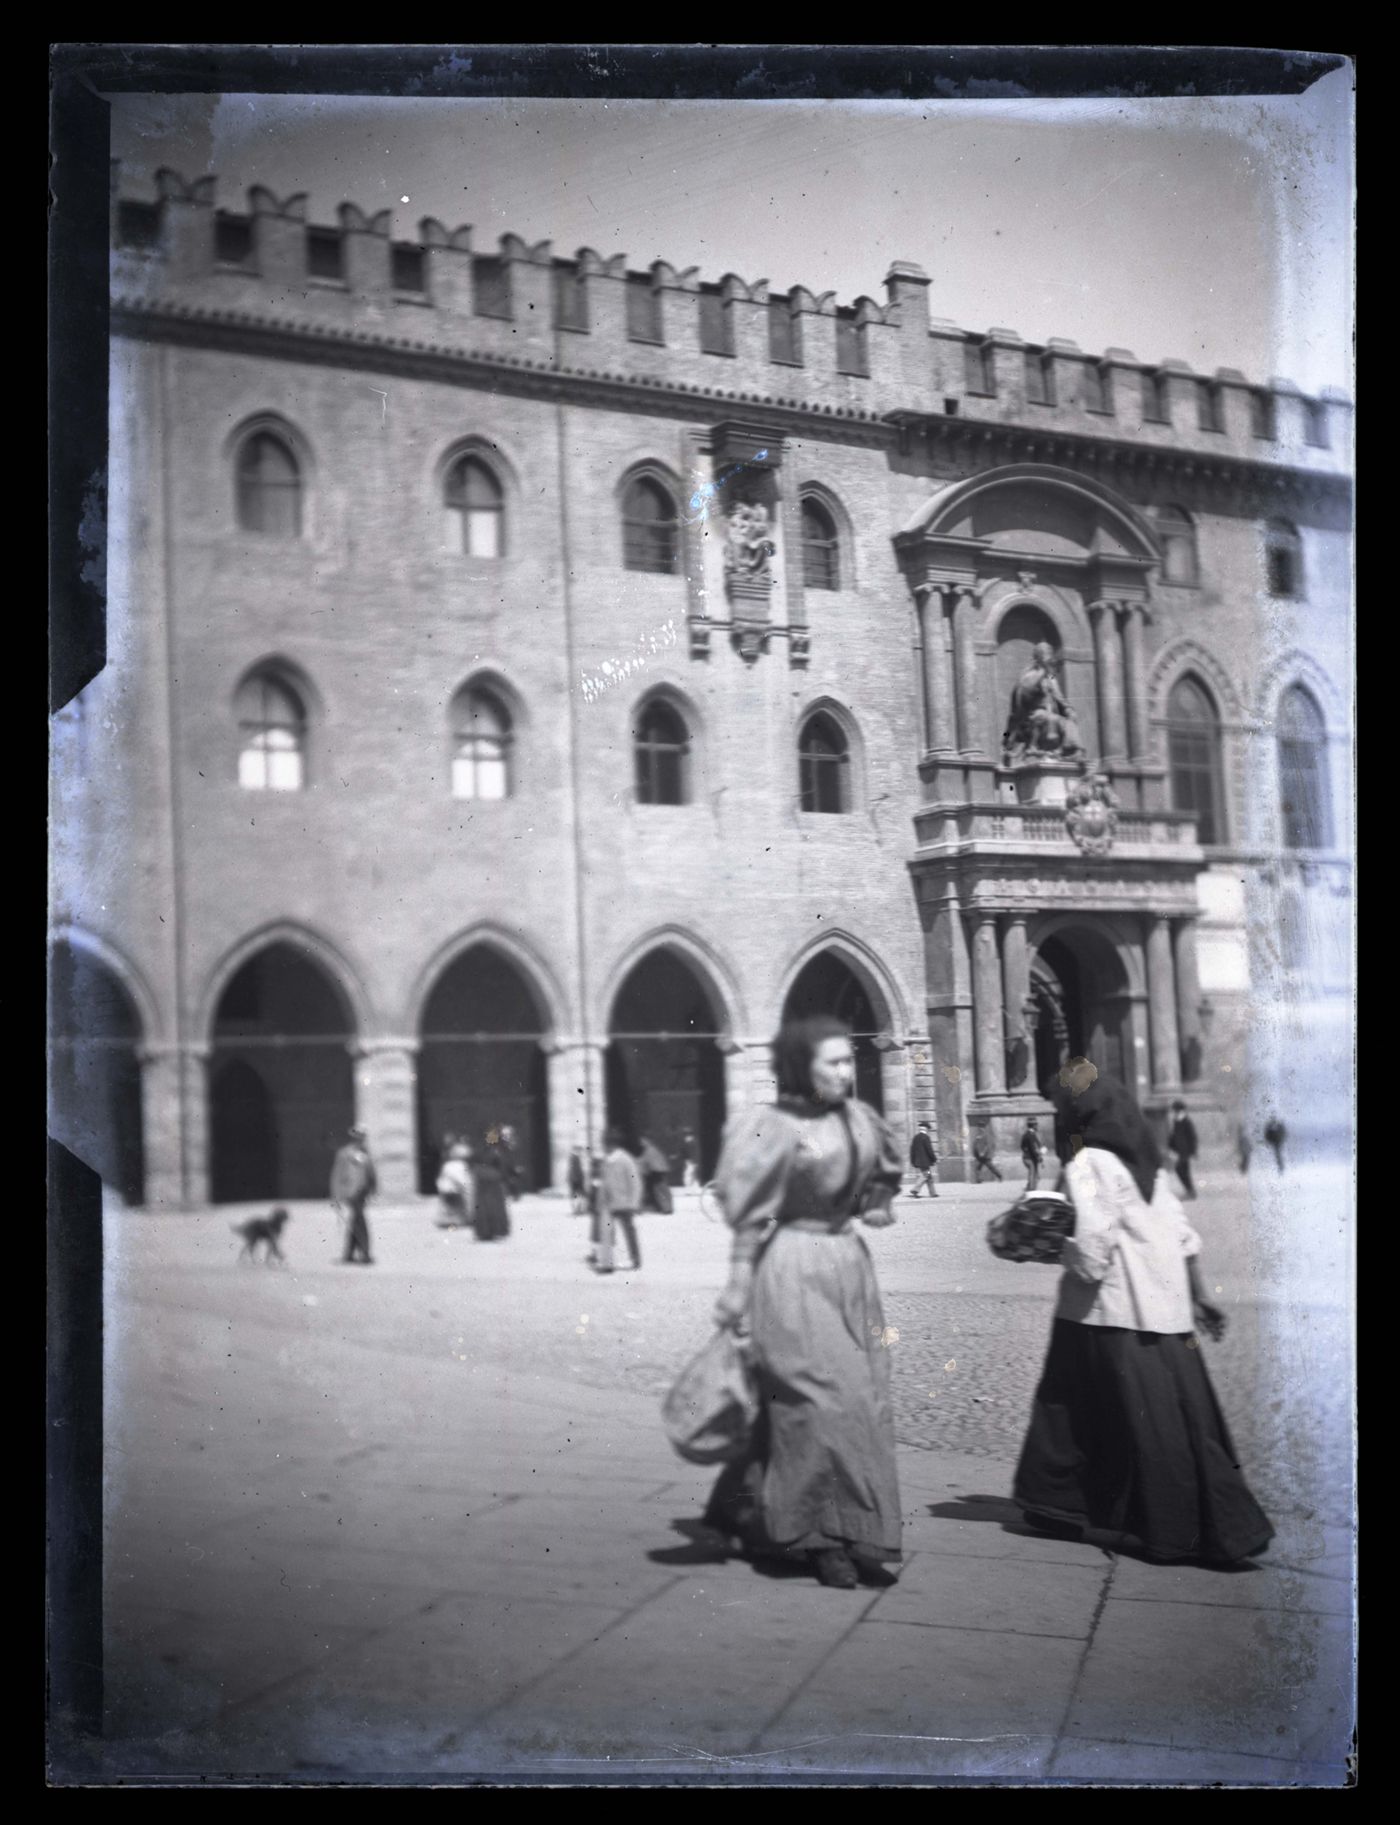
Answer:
(982, 1156)
(923, 1159)
(353, 1184)
(1182, 1145)
(1032, 1152)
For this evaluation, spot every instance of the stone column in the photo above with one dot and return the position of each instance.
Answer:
(755, 1066)
(1161, 1005)
(1016, 977)
(987, 1005)
(940, 718)
(194, 1101)
(965, 662)
(1188, 1000)
(1108, 669)
(386, 1107)
(1135, 681)
(161, 1122)
(575, 1068)
(738, 1085)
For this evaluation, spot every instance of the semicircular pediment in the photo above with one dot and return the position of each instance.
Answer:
(1033, 507)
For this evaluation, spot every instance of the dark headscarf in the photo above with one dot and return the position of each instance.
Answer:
(1105, 1115)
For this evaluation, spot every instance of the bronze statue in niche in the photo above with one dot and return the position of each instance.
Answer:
(1042, 724)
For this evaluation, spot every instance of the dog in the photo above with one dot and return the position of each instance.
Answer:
(261, 1229)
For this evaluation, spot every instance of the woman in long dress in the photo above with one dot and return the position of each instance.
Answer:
(1126, 1435)
(819, 1478)
(489, 1173)
(454, 1188)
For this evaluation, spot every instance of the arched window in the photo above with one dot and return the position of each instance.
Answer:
(1177, 537)
(1283, 559)
(650, 532)
(663, 755)
(269, 486)
(1193, 755)
(821, 554)
(481, 738)
(1303, 774)
(271, 735)
(823, 759)
(474, 504)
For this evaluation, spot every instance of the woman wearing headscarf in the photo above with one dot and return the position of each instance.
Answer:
(1126, 1435)
(819, 1478)
(454, 1187)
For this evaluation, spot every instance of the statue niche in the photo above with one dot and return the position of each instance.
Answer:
(748, 574)
(1042, 724)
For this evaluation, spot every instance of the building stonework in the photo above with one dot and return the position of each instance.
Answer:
(525, 548)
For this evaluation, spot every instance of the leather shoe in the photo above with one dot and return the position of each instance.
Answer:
(835, 1569)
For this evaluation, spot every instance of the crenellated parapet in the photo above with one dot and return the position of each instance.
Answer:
(666, 327)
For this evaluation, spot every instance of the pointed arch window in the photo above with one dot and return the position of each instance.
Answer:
(823, 760)
(650, 528)
(481, 744)
(1193, 757)
(271, 735)
(821, 547)
(474, 509)
(1283, 559)
(269, 486)
(662, 750)
(1176, 533)
(1303, 772)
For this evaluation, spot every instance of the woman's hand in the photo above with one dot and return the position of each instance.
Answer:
(732, 1306)
(1210, 1318)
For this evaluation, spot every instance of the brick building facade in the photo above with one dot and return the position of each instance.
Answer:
(528, 677)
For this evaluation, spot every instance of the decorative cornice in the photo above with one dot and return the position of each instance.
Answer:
(300, 339)
(303, 339)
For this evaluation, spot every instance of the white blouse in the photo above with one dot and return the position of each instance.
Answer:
(1125, 1265)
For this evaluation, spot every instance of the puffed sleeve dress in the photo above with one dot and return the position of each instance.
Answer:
(821, 1467)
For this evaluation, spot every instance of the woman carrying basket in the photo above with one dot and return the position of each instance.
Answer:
(819, 1477)
(1126, 1435)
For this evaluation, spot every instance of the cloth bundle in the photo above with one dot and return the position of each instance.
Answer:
(711, 1411)
(1034, 1229)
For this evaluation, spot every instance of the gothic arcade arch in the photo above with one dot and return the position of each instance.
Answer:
(99, 1020)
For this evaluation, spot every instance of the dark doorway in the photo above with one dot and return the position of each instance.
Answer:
(95, 1070)
(665, 1071)
(281, 1081)
(826, 985)
(481, 1065)
(1080, 996)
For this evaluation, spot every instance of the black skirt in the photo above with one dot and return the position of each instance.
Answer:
(1127, 1437)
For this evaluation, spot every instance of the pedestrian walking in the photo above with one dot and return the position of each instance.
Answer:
(1182, 1145)
(1244, 1147)
(1275, 1134)
(454, 1187)
(690, 1172)
(1032, 1152)
(1126, 1434)
(923, 1159)
(595, 1206)
(982, 1156)
(491, 1217)
(819, 1476)
(578, 1180)
(353, 1183)
(620, 1200)
(655, 1169)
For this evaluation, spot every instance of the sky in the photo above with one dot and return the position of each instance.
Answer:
(1216, 231)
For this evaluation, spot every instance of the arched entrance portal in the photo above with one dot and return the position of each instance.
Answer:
(481, 1065)
(665, 1071)
(281, 1079)
(826, 985)
(95, 1070)
(1079, 991)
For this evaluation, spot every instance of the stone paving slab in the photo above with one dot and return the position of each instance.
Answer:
(1157, 1764)
(929, 1701)
(1257, 1682)
(1003, 1595)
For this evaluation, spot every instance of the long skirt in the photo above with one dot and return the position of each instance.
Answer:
(1126, 1436)
(820, 1469)
(491, 1217)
